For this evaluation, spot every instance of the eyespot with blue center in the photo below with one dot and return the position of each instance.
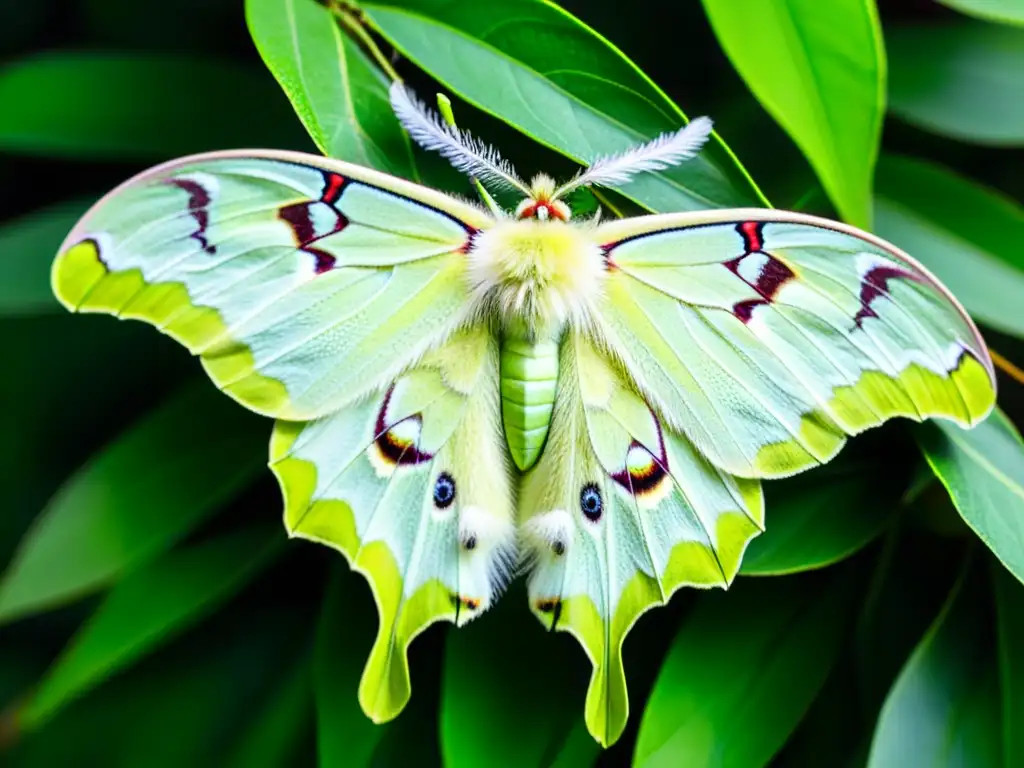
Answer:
(591, 503)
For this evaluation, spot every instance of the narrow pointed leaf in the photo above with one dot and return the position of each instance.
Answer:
(135, 499)
(819, 70)
(345, 735)
(742, 671)
(595, 102)
(274, 735)
(146, 609)
(1002, 11)
(533, 677)
(27, 245)
(341, 98)
(184, 705)
(969, 236)
(97, 105)
(1010, 627)
(816, 520)
(963, 80)
(983, 471)
(943, 709)
(579, 750)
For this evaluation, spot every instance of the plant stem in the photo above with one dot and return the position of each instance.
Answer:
(352, 23)
(605, 202)
(1006, 366)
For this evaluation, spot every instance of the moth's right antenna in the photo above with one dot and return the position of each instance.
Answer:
(467, 153)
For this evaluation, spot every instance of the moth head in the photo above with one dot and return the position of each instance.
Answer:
(542, 198)
(542, 204)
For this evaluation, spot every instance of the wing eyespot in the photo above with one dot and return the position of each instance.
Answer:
(444, 492)
(591, 503)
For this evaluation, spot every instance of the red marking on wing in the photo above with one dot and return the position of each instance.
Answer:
(391, 448)
(752, 233)
(334, 183)
(198, 200)
(471, 233)
(770, 279)
(875, 283)
(297, 216)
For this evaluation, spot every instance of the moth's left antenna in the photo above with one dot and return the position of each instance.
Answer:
(480, 162)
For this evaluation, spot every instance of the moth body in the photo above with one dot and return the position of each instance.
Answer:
(529, 377)
(537, 273)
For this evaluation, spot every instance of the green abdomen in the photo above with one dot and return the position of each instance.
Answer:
(529, 374)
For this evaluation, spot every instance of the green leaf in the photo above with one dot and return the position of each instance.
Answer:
(554, 78)
(943, 709)
(103, 105)
(135, 499)
(742, 671)
(341, 98)
(27, 248)
(1005, 11)
(274, 735)
(146, 609)
(967, 235)
(58, 426)
(579, 748)
(818, 520)
(983, 471)
(1010, 637)
(184, 705)
(511, 653)
(962, 80)
(819, 71)
(346, 737)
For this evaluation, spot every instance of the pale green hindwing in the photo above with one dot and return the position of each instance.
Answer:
(412, 485)
(301, 281)
(619, 513)
(767, 337)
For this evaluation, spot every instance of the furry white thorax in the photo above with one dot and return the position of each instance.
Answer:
(536, 273)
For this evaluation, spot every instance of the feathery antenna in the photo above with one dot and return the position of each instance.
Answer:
(465, 152)
(667, 150)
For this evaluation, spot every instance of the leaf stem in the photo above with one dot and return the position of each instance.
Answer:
(1006, 366)
(603, 200)
(352, 23)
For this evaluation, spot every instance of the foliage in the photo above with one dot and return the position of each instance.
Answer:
(151, 610)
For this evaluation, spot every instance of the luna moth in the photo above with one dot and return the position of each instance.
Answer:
(462, 391)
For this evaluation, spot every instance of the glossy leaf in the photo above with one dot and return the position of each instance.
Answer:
(537, 693)
(943, 709)
(579, 749)
(27, 246)
(817, 520)
(275, 733)
(146, 609)
(962, 80)
(341, 98)
(1009, 596)
(819, 70)
(983, 470)
(1004, 11)
(103, 105)
(184, 705)
(135, 499)
(596, 102)
(742, 671)
(345, 736)
(60, 426)
(967, 235)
